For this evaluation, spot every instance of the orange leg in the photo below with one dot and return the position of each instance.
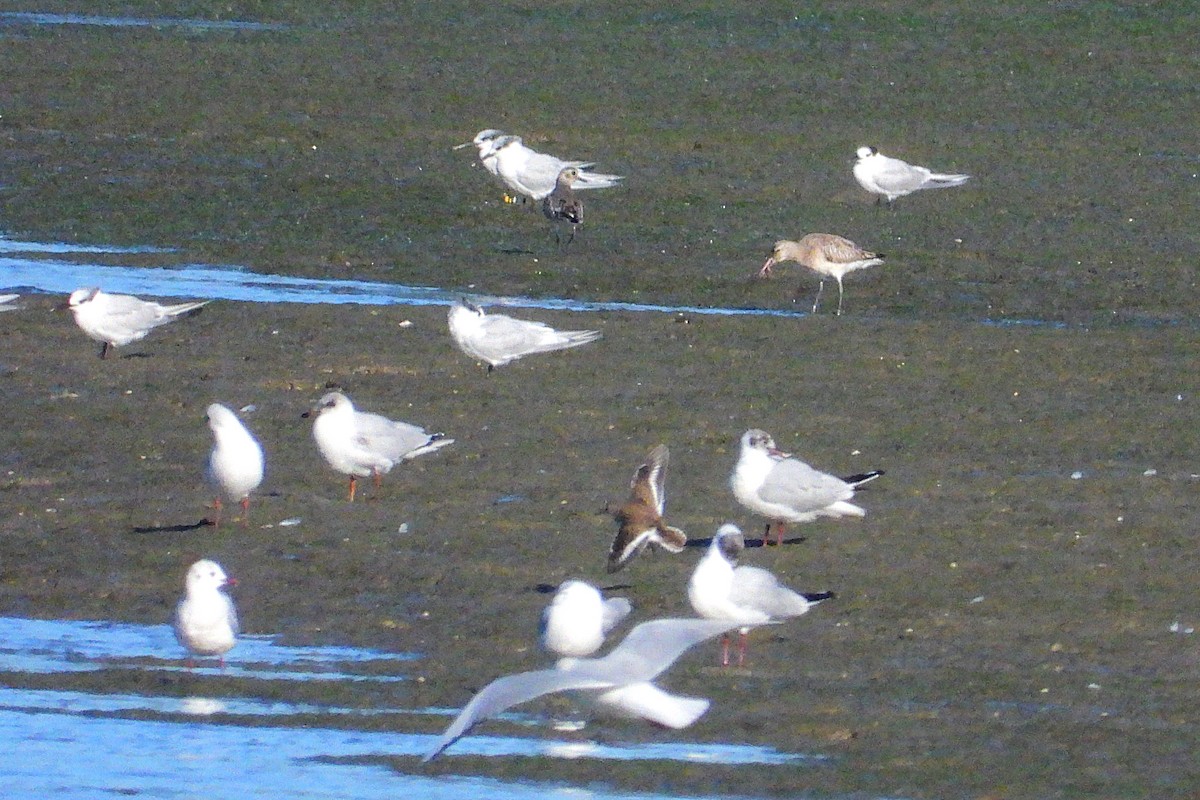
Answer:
(725, 650)
(217, 506)
(353, 486)
(246, 510)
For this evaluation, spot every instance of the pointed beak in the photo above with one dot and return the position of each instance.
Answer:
(230, 582)
(461, 146)
(779, 453)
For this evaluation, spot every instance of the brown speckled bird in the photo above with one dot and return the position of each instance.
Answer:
(641, 517)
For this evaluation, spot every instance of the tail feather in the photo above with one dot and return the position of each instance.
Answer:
(948, 180)
(863, 477)
(186, 309)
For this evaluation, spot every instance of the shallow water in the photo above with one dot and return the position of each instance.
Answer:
(76, 743)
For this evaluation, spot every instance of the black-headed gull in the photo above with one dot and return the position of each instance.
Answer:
(236, 462)
(359, 443)
(206, 622)
(783, 489)
(499, 339)
(619, 681)
(892, 178)
(578, 618)
(563, 206)
(826, 254)
(749, 596)
(641, 518)
(528, 173)
(118, 319)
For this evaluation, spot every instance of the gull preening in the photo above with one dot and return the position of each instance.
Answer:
(561, 205)
(749, 596)
(892, 178)
(783, 489)
(118, 319)
(361, 444)
(206, 621)
(578, 618)
(641, 518)
(528, 173)
(621, 681)
(235, 464)
(826, 254)
(499, 339)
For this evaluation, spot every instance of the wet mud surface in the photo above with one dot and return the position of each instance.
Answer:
(1014, 614)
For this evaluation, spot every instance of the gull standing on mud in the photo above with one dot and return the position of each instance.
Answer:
(235, 464)
(359, 443)
(826, 254)
(892, 178)
(6, 302)
(206, 621)
(749, 596)
(783, 489)
(499, 339)
(528, 173)
(641, 518)
(118, 319)
(562, 205)
(620, 681)
(578, 618)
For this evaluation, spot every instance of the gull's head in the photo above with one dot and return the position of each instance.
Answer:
(219, 416)
(331, 401)
(465, 305)
(576, 593)
(483, 140)
(568, 176)
(866, 152)
(757, 439)
(206, 576)
(81, 296)
(729, 542)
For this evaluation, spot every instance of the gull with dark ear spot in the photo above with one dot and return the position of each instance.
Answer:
(641, 518)
(499, 339)
(115, 320)
(578, 618)
(206, 621)
(891, 178)
(826, 254)
(359, 443)
(562, 205)
(621, 682)
(783, 489)
(749, 596)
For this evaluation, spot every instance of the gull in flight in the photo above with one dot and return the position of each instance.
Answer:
(359, 443)
(784, 489)
(892, 178)
(235, 464)
(620, 681)
(528, 173)
(118, 319)
(562, 205)
(578, 618)
(641, 518)
(499, 339)
(749, 596)
(826, 254)
(206, 622)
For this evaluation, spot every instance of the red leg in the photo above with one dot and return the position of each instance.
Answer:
(246, 510)
(353, 485)
(725, 650)
(742, 647)
(217, 506)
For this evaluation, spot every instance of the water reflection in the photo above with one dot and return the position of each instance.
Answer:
(38, 18)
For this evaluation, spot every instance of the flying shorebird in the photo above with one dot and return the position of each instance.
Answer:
(641, 518)
(118, 319)
(825, 254)
(892, 178)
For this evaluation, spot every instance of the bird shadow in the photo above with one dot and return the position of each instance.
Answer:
(748, 542)
(195, 526)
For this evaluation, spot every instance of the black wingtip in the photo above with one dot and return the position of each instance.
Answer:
(816, 597)
(863, 477)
